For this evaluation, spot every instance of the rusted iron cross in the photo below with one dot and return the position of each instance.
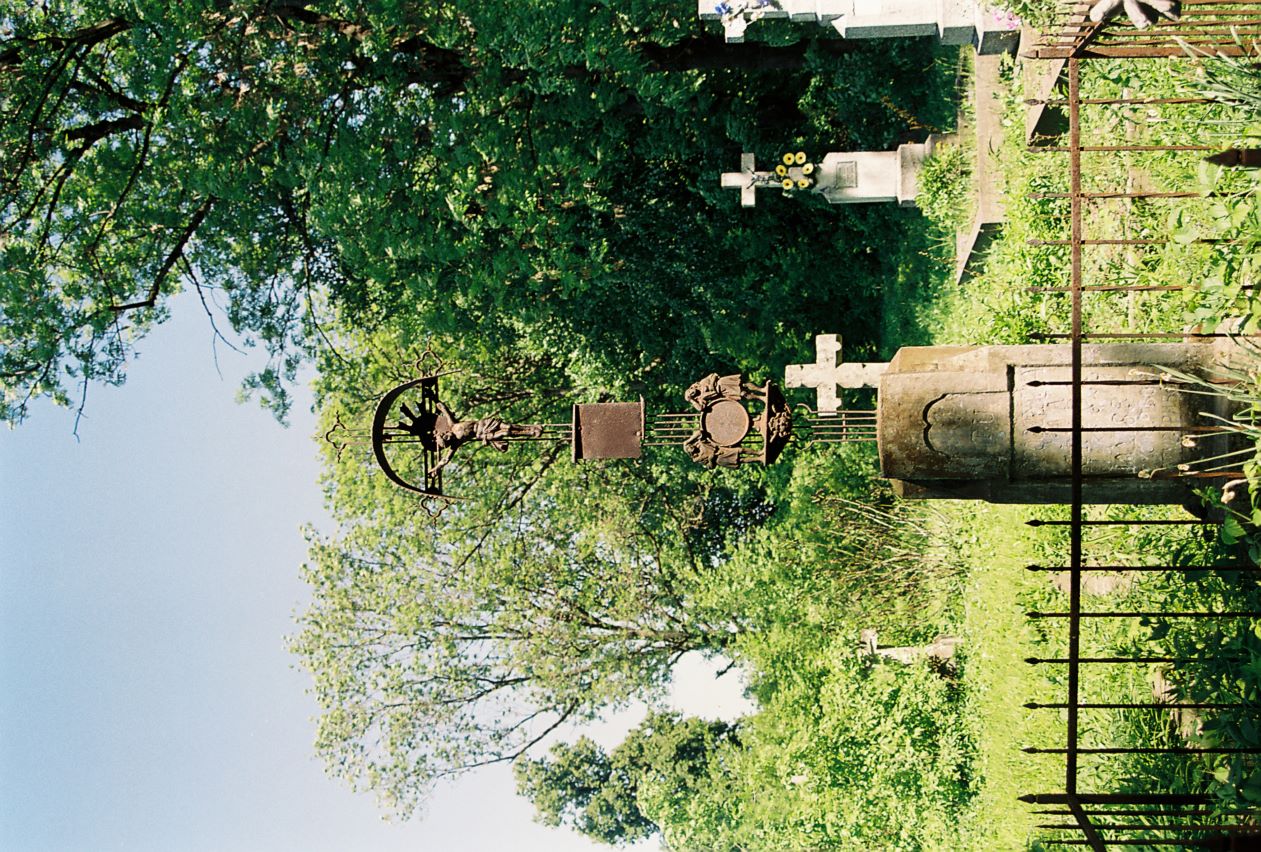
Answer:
(827, 373)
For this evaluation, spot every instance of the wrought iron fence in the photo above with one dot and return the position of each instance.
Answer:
(1077, 816)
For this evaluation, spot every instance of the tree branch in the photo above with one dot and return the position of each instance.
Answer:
(175, 254)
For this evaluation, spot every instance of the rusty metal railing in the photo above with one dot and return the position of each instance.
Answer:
(1099, 819)
(1227, 27)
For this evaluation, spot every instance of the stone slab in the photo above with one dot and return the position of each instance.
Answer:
(970, 422)
(990, 209)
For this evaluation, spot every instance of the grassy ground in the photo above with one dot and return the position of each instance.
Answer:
(992, 542)
(994, 545)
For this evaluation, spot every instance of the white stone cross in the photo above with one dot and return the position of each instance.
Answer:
(827, 373)
(747, 180)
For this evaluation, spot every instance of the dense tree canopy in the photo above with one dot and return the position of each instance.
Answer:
(542, 173)
(596, 792)
(531, 188)
(438, 648)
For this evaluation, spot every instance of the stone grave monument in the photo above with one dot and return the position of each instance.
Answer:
(952, 21)
(858, 177)
(993, 422)
(962, 422)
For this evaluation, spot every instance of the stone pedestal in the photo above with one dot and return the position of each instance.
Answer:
(971, 422)
(952, 21)
(871, 176)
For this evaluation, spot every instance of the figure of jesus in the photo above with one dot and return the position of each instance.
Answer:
(446, 433)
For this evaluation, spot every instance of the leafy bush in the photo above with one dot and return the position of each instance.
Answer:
(943, 187)
(848, 754)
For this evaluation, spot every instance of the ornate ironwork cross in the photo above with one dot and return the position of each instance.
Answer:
(731, 422)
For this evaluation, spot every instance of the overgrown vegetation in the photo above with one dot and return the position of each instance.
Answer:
(820, 766)
(944, 188)
(531, 189)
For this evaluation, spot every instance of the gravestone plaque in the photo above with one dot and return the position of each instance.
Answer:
(608, 430)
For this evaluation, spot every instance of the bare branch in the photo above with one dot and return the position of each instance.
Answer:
(175, 254)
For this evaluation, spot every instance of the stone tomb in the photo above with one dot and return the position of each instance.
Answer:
(992, 422)
(858, 177)
(952, 21)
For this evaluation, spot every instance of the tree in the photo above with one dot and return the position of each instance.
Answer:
(438, 648)
(596, 792)
(309, 166)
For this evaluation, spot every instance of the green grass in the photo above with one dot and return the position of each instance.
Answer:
(999, 307)
(993, 545)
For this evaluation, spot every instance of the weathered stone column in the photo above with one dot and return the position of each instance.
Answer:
(969, 422)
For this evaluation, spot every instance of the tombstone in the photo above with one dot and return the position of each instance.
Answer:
(994, 422)
(952, 21)
(940, 650)
(859, 177)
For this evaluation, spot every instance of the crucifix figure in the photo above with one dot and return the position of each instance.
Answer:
(827, 373)
(444, 433)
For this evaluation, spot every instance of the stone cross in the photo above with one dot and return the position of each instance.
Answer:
(827, 373)
(747, 180)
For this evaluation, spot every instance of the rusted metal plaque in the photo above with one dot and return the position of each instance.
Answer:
(608, 430)
(726, 422)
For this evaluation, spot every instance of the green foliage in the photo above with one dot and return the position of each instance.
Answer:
(1231, 673)
(944, 188)
(598, 793)
(578, 786)
(848, 754)
(511, 170)
(553, 591)
(838, 557)
(1231, 80)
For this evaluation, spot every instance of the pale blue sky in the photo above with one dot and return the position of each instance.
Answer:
(148, 575)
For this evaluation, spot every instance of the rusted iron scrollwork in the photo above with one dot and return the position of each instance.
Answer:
(419, 428)
(721, 434)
